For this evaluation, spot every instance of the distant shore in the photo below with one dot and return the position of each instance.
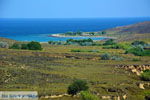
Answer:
(62, 35)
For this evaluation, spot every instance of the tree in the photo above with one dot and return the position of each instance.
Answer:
(34, 46)
(15, 46)
(24, 46)
(77, 86)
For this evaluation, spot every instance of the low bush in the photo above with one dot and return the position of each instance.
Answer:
(91, 33)
(56, 42)
(101, 32)
(74, 33)
(117, 46)
(106, 56)
(135, 43)
(146, 75)
(116, 58)
(4, 45)
(124, 46)
(85, 95)
(82, 42)
(112, 47)
(77, 86)
(138, 51)
(109, 42)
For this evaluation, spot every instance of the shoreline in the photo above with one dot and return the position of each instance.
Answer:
(60, 35)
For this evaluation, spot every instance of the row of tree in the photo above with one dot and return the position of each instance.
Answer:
(82, 42)
(28, 46)
(84, 33)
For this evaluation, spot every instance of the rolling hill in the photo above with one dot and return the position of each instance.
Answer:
(141, 28)
(139, 31)
(9, 41)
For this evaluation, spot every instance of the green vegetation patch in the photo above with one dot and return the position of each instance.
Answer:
(80, 42)
(118, 46)
(107, 56)
(86, 95)
(77, 86)
(146, 75)
(29, 46)
(110, 42)
(135, 43)
(138, 51)
(79, 33)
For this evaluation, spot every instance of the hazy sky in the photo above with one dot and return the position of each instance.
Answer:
(73, 8)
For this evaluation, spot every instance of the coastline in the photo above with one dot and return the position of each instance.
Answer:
(61, 35)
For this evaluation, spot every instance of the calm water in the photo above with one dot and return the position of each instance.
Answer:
(39, 29)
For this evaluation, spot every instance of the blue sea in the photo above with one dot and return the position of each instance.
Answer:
(40, 29)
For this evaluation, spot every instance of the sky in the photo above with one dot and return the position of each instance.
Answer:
(74, 8)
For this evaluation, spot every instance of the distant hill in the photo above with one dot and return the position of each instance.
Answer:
(143, 27)
(139, 31)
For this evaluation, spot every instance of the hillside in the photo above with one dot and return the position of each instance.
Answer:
(9, 41)
(141, 28)
(137, 31)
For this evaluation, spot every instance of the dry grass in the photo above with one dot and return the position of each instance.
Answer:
(50, 71)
